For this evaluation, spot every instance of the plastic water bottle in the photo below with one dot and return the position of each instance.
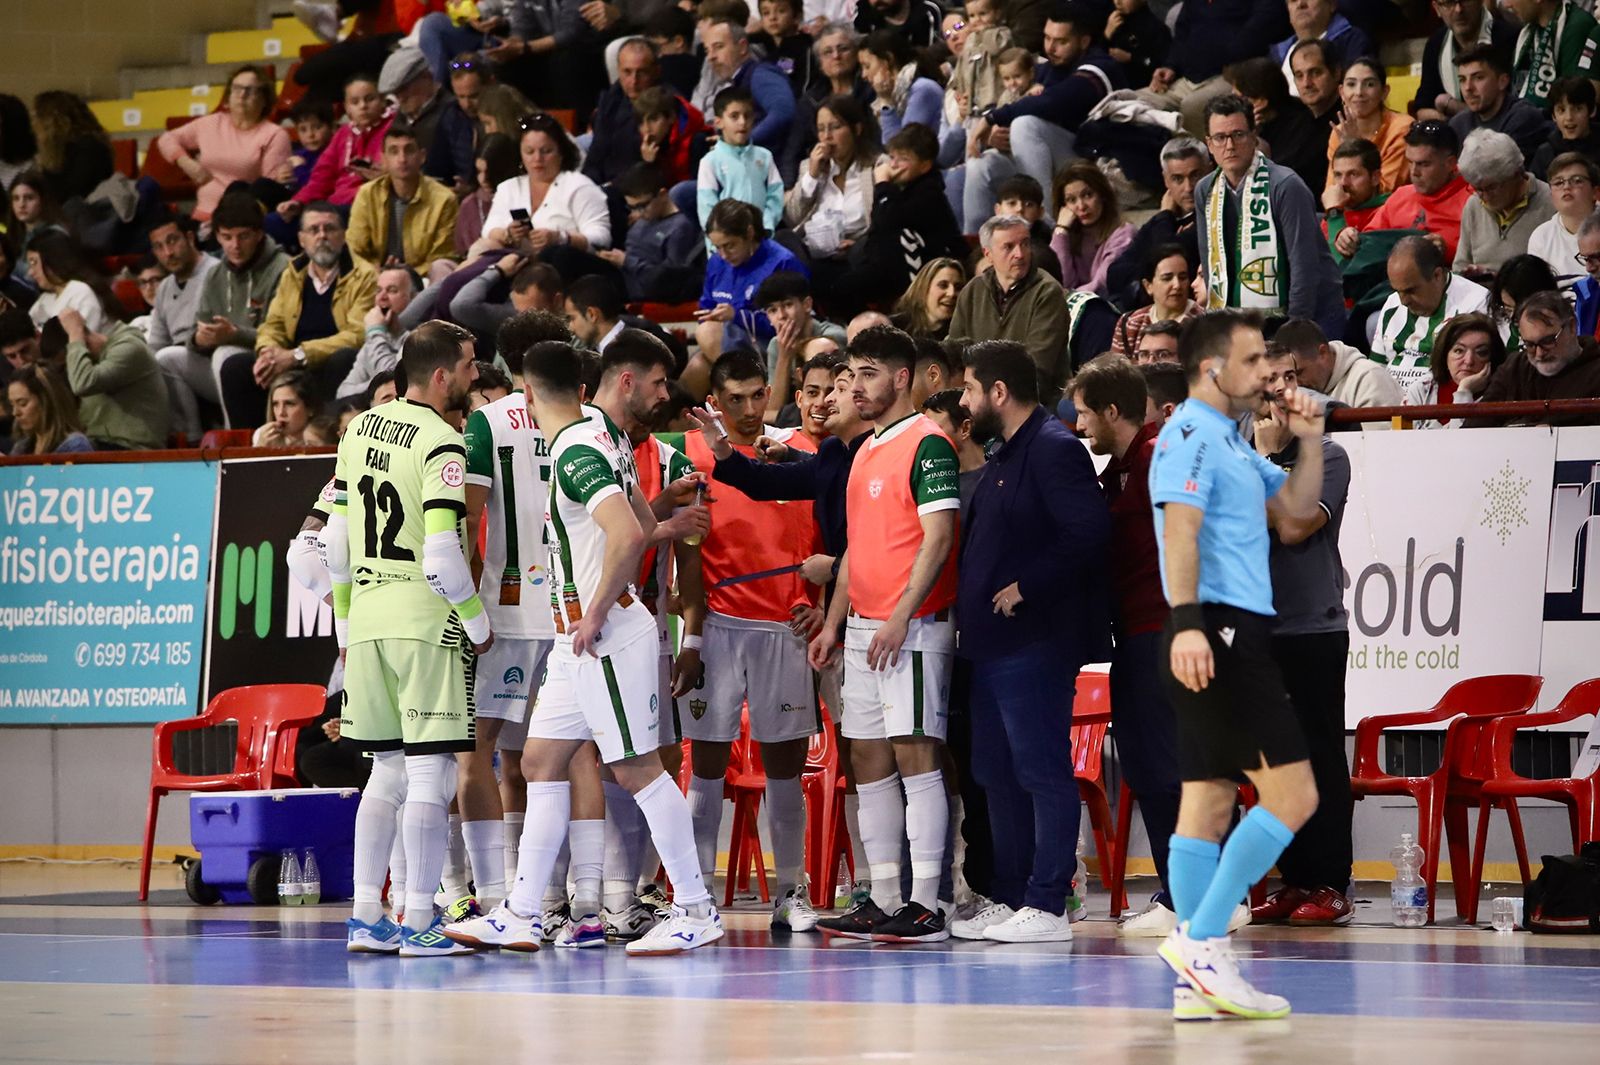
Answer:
(310, 880)
(291, 884)
(1408, 894)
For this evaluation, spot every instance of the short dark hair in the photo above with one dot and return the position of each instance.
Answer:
(541, 276)
(1020, 187)
(312, 107)
(917, 139)
(1259, 77)
(400, 130)
(553, 366)
(1210, 336)
(1166, 327)
(886, 344)
(52, 340)
(321, 207)
(1165, 382)
(948, 402)
(1230, 103)
(989, 361)
(238, 210)
(489, 376)
(733, 94)
(379, 379)
(930, 350)
(1579, 92)
(1330, 59)
(1549, 306)
(185, 224)
(783, 285)
(1362, 149)
(16, 326)
(1439, 136)
(595, 292)
(635, 349)
(736, 218)
(737, 366)
(669, 23)
(431, 346)
(1082, 18)
(1300, 336)
(1422, 251)
(1108, 381)
(832, 361)
(642, 179)
(1487, 54)
(1521, 277)
(523, 330)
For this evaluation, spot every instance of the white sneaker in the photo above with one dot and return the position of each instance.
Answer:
(584, 930)
(320, 19)
(630, 923)
(1240, 918)
(1187, 1005)
(1155, 921)
(554, 919)
(793, 911)
(1031, 925)
(677, 933)
(1211, 968)
(983, 913)
(500, 927)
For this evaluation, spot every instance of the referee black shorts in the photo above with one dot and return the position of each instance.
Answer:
(1243, 718)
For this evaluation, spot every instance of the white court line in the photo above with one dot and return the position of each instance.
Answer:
(126, 938)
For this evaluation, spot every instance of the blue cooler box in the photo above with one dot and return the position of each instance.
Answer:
(235, 830)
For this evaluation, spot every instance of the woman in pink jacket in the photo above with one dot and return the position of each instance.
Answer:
(1090, 234)
(234, 144)
(353, 157)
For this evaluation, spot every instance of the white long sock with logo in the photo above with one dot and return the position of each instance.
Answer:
(544, 836)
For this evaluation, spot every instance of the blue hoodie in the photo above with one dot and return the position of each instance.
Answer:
(737, 285)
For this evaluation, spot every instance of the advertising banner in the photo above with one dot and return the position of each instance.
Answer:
(103, 590)
(1572, 571)
(266, 628)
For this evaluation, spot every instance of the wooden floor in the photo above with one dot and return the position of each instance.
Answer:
(87, 977)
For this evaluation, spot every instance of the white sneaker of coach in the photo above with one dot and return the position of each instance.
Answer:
(1030, 925)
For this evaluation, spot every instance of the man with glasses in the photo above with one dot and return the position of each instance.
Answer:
(1485, 79)
(1510, 204)
(1426, 295)
(1468, 25)
(1573, 178)
(1261, 246)
(1158, 343)
(1555, 362)
(1587, 291)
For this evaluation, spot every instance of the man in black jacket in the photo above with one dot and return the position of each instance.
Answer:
(1184, 161)
(1466, 26)
(616, 130)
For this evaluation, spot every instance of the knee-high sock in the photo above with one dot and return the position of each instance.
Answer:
(1251, 850)
(544, 834)
(667, 812)
(852, 824)
(456, 877)
(705, 809)
(927, 818)
(555, 892)
(624, 827)
(376, 831)
(883, 826)
(786, 814)
(588, 841)
(397, 866)
(430, 785)
(486, 851)
(513, 837)
(649, 860)
(1191, 865)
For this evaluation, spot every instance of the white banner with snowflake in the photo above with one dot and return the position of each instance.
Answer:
(1444, 546)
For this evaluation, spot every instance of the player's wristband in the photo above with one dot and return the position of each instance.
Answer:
(1188, 616)
(690, 643)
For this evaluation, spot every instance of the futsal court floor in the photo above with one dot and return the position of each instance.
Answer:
(88, 976)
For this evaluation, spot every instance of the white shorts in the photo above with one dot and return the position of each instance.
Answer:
(765, 667)
(613, 700)
(505, 676)
(535, 656)
(910, 698)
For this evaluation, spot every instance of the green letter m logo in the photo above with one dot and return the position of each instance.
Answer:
(246, 581)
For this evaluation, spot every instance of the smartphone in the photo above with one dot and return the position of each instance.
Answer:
(520, 216)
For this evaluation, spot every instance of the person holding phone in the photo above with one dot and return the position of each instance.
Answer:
(351, 158)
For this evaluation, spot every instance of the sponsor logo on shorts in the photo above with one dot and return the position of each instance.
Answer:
(1226, 632)
(453, 474)
(697, 708)
(790, 708)
(514, 675)
(654, 702)
(433, 715)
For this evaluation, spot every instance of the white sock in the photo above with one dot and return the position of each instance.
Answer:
(374, 840)
(883, 826)
(621, 872)
(544, 836)
(667, 811)
(852, 824)
(426, 827)
(649, 860)
(556, 894)
(705, 809)
(457, 876)
(927, 818)
(786, 814)
(397, 864)
(513, 830)
(588, 842)
(486, 850)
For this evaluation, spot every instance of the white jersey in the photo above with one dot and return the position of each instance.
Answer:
(1404, 341)
(507, 454)
(668, 464)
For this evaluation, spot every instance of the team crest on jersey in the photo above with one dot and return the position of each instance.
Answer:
(875, 487)
(697, 708)
(453, 475)
(328, 493)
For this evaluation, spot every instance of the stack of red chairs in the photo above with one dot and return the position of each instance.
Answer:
(1091, 717)
(827, 835)
(745, 785)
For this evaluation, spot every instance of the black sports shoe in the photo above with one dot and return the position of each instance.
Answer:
(912, 924)
(858, 922)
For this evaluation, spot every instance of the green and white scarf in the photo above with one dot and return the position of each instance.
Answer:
(1259, 280)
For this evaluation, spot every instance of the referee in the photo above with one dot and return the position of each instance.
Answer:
(1212, 495)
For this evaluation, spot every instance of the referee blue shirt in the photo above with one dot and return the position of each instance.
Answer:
(1202, 461)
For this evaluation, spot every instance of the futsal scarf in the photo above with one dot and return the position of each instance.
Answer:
(1545, 52)
(1258, 276)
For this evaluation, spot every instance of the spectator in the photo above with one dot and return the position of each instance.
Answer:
(452, 156)
(1364, 91)
(594, 312)
(938, 367)
(44, 416)
(1283, 268)
(830, 207)
(1437, 195)
(19, 339)
(17, 291)
(1024, 197)
(983, 54)
(1289, 133)
(177, 303)
(384, 334)
(1090, 232)
(314, 320)
(1184, 161)
(785, 298)
(665, 257)
(33, 206)
(1486, 90)
(838, 50)
(1137, 38)
(951, 416)
(1028, 612)
(1316, 77)
(1339, 371)
(1157, 344)
(784, 43)
(74, 151)
(1467, 26)
(1572, 104)
(490, 385)
(930, 300)
(731, 65)
(670, 132)
(147, 277)
(526, 286)
(1473, 351)
(404, 216)
(1016, 67)
(1426, 294)
(744, 257)
(121, 397)
(905, 91)
(1168, 283)
(497, 162)
(1552, 362)
(615, 128)
(1573, 178)
(1207, 38)
(313, 129)
(501, 109)
(552, 211)
(237, 143)
(1587, 291)
(1510, 203)
(18, 145)
(1518, 278)
(292, 403)
(233, 302)
(1558, 40)
(68, 280)
(917, 21)
(418, 98)
(439, 36)
(735, 169)
(351, 158)
(1352, 197)
(1014, 300)
(1167, 384)
(1319, 20)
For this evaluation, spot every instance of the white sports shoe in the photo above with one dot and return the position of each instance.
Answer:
(1187, 1005)
(1031, 925)
(554, 919)
(793, 911)
(584, 930)
(984, 912)
(629, 923)
(679, 932)
(1240, 918)
(1211, 968)
(1155, 921)
(500, 927)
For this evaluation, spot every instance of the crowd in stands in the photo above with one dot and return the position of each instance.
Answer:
(1070, 176)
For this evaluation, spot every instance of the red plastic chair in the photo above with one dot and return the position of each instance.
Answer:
(173, 182)
(1444, 795)
(745, 785)
(827, 835)
(262, 712)
(1580, 795)
(665, 313)
(125, 157)
(1091, 717)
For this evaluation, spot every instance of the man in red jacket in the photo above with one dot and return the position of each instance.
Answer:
(1436, 195)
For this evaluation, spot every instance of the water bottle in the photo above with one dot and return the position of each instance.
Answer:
(1408, 894)
(290, 882)
(310, 880)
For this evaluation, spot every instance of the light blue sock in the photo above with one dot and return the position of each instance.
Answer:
(1252, 849)
(1191, 865)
